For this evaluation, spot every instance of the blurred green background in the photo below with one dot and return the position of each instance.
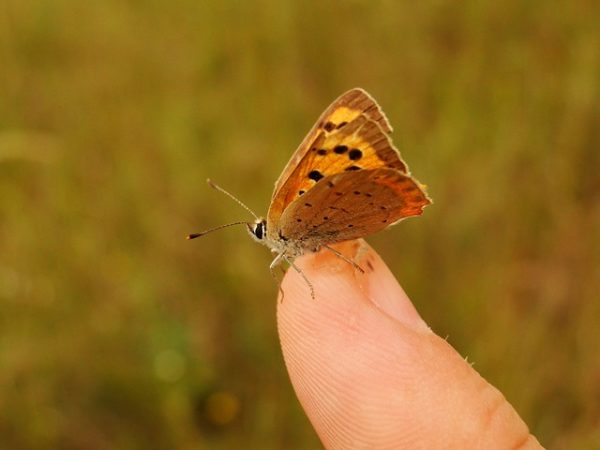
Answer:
(115, 332)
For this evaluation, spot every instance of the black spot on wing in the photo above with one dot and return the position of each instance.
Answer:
(315, 175)
(355, 154)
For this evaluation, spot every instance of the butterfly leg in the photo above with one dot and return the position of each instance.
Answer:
(272, 267)
(348, 260)
(276, 261)
(297, 269)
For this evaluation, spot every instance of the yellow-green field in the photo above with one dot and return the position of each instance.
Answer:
(116, 332)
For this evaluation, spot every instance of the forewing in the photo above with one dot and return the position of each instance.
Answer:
(346, 108)
(349, 205)
(351, 135)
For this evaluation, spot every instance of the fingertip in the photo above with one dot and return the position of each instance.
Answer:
(330, 276)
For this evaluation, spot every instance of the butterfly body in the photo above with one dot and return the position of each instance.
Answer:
(279, 244)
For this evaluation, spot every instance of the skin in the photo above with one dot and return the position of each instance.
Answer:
(371, 374)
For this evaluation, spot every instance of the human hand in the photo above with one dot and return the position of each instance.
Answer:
(370, 373)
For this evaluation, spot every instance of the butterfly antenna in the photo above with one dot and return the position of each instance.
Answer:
(210, 230)
(231, 196)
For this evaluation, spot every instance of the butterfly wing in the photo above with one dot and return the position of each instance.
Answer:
(352, 134)
(347, 206)
(343, 110)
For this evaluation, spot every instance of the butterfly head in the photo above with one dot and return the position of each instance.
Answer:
(258, 229)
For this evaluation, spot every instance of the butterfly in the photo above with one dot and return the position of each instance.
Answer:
(345, 181)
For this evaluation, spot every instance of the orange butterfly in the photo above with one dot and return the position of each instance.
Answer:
(345, 181)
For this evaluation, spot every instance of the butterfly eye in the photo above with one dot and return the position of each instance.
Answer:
(259, 230)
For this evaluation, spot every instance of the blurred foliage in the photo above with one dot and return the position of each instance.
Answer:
(117, 333)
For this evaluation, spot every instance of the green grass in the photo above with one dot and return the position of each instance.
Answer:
(115, 332)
